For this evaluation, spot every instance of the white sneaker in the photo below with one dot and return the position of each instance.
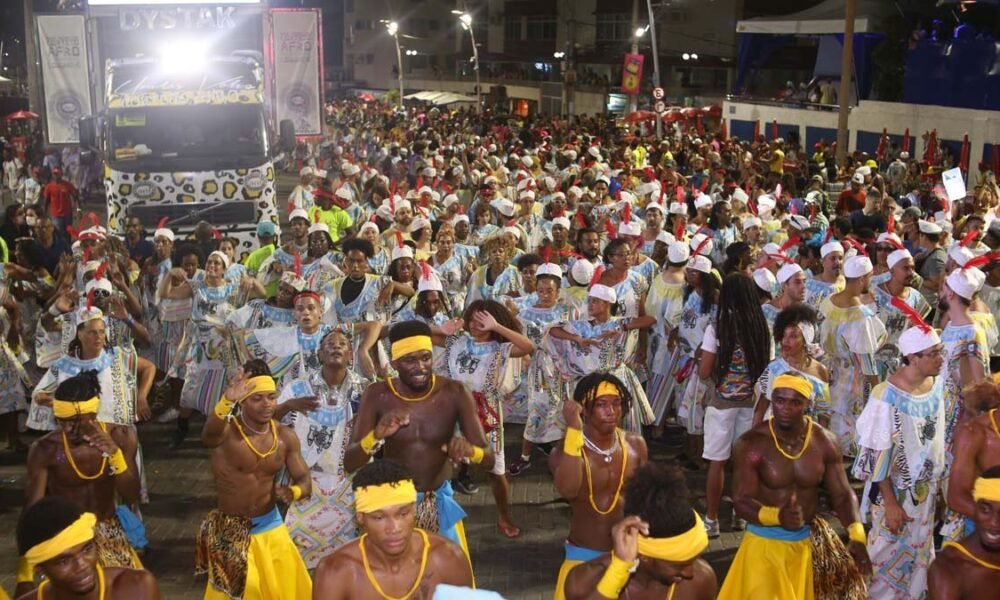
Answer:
(168, 416)
(711, 527)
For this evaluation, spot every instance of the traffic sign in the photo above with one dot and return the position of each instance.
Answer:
(658, 93)
(660, 106)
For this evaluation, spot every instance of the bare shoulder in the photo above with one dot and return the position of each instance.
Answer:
(582, 579)
(135, 583)
(43, 447)
(637, 444)
(705, 579)
(444, 551)
(826, 439)
(341, 558)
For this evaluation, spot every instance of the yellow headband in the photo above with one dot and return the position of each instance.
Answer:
(794, 383)
(63, 409)
(606, 388)
(416, 343)
(986, 489)
(82, 530)
(260, 384)
(376, 497)
(679, 548)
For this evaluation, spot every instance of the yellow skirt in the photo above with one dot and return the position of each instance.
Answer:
(275, 570)
(575, 555)
(767, 569)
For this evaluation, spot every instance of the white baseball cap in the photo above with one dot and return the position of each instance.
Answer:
(857, 266)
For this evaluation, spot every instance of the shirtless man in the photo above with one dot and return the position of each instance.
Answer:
(778, 469)
(413, 418)
(58, 537)
(592, 467)
(977, 447)
(246, 530)
(393, 558)
(964, 570)
(86, 463)
(663, 534)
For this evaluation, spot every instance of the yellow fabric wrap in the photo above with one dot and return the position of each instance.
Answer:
(80, 531)
(679, 548)
(477, 455)
(856, 533)
(260, 384)
(416, 343)
(70, 410)
(573, 444)
(376, 497)
(986, 489)
(768, 516)
(296, 492)
(795, 383)
(615, 578)
(368, 442)
(606, 388)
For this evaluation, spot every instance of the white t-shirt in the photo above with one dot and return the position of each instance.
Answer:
(710, 343)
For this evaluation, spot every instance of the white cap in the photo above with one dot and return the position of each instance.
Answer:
(321, 173)
(751, 222)
(678, 208)
(99, 284)
(942, 216)
(890, 238)
(625, 197)
(830, 247)
(515, 231)
(812, 197)
(550, 269)
(429, 281)
(799, 222)
(648, 188)
(460, 217)
(917, 339)
(343, 192)
(966, 282)
(697, 239)
(632, 229)
(449, 200)
(740, 196)
(678, 252)
(772, 248)
(582, 270)
(527, 195)
(425, 189)
(764, 279)
(319, 227)
(702, 201)
(604, 179)
(304, 171)
(596, 153)
(526, 161)
(864, 170)
(858, 178)
(766, 203)
(165, 233)
(603, 292)
(504, 206)
(419, 223)
(897, 255)
(928, 227)
(401, 204)
(561, 221)
(403, 251)
(787, 271)
(857, 266)
(367, 225)
(665, 237)
(655, 206)
(574, 191)
(960, 254)
(222, 256)
(350, 169)
(298, 213)
(700, 263)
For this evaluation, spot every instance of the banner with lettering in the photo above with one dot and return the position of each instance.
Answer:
(298, 77)
(632, 74)
(62, 45)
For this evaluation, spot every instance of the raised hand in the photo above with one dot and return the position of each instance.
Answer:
(239, 387)
(573, 414)
(485, 320)
(459, 450)
(790, 516)
(304, 404)
(390, 423)
(100, 439)
(452, 326)
(625, 537)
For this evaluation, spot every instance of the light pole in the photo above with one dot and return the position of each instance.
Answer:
(393, 28)
(466, 20)
(656, 64)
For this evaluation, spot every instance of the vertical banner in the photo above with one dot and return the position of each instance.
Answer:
(632, 74)
(62, 45)
(298, 77)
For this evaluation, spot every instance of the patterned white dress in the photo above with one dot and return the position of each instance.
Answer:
(545, 389)
(209, 353)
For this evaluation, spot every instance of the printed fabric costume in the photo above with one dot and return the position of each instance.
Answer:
(901, 437)
(888, 358)
(685, 380)
(209, 353)
(665, 301)
(546, 390)
(325, 520)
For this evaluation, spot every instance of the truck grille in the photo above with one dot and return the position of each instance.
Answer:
(229, 213)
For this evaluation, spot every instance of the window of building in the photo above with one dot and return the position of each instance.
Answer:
(512, 28)
(677, 16)
(613, 28)
(541, 28)
(416, 63)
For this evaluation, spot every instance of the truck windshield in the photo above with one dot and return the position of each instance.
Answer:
(232, 136)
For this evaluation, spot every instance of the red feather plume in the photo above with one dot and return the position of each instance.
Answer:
(162, 223)
(679, 194)
(890, 223)
(829, 234)
(90, 298)
(701, 246)
(752, 205)
(969, 238)
(791, 243)
(425, 270)
(298, 264)
(101, 270)
(663, 192)
(911, 314)
(399, 238)
(596, 278)
(581, 221)
(679, 231)
(73, 233)
(420, 182)
(627, 213)
(704, 184)
(812, 212)
(92, 217)
(857, 245)
(981, 261)
(780, 258)
(546, 254)
(216, 234)
(610, 228)
(86, 255)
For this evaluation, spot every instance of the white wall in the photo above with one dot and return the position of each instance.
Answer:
(983, 126)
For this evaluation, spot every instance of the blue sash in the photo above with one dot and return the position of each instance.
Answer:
(779, 533)
(449, 511)
(266, 521)
(580, 553)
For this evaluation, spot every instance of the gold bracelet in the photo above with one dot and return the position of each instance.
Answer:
(223, 408)
(856, 533)
(477, 455)
(768, 516)
(117, 462)
(296, 492)
(573, 443)
(615, 578)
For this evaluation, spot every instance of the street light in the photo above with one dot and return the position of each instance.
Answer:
(558, 55)
(640, 32)
(466, 20)
(393, 28)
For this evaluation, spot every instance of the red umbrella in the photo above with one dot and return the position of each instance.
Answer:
(672, 115)
(691, 112)
(21, 115)
(639, 115)
(367, 97)
(712, 110)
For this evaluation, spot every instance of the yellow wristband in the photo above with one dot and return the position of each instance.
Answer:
(25, 571)
(768, 516)
(296, 492)
(369, 442)
(223, 408)
(615, 578)
(117, 462)
(477, 455)
(573, 443)
(856, 533)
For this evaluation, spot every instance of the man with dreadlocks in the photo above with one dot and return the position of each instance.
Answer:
(656, 548)
(87, 462)
(788, 551)
(61, 541)
(597, 454)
